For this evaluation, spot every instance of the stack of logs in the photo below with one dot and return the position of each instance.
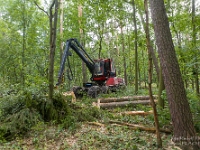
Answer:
(127, 101)
(123, 101)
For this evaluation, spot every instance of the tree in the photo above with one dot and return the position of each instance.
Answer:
(136, 47)
(181, 116)
(53, 17)
(53, 27)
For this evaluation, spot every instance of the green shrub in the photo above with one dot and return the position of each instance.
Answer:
(24, 109)
(194, 102)
(19, 113)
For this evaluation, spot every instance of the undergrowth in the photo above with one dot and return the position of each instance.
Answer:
(23, 109)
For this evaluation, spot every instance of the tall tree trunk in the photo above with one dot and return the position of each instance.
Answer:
(130, 62)
(84, 69)
(181, 116)
(23, 44)
(195, 49)
(123, 51)
(144, 70)
(136, 50)
(161, 88)
(100, 40)
(53, 26)
(61, 29)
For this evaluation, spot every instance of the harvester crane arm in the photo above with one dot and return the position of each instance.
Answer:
(80, 51)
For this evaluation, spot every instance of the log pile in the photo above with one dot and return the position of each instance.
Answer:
(123, 101)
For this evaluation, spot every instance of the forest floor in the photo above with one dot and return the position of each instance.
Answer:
(98, 135)
(88, 137)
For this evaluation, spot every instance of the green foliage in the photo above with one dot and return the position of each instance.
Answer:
(24, 109)
(19, 123)
(80, 114)
(194, 102)
(19, 112)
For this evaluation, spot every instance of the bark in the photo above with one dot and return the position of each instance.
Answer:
(53, 27)
(181, 116)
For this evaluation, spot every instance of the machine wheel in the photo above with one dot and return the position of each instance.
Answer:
(78, 91)
(94, 91)
(105, 89)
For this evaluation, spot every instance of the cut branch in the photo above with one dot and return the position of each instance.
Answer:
(139, 127)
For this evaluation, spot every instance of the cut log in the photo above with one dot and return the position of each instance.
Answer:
(139, 127)
(124, 103)
(121, 99)
(133, 113)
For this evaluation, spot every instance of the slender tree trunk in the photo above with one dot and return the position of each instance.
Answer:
(53, 27)
(159, 141)
(123, 51)
(144, 70)
(181, 116)
(100, 41)
(161, 88)
(61, 29)
(136, 50)
(23, 44)
(84, 69)
(130, 62)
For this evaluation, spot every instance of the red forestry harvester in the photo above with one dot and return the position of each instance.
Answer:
(102, 70)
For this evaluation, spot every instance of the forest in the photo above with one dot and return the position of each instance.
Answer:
(152, 47)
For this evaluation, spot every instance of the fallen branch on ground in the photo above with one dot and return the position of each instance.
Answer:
(139, 127)
(131, 126)
(96, 124)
